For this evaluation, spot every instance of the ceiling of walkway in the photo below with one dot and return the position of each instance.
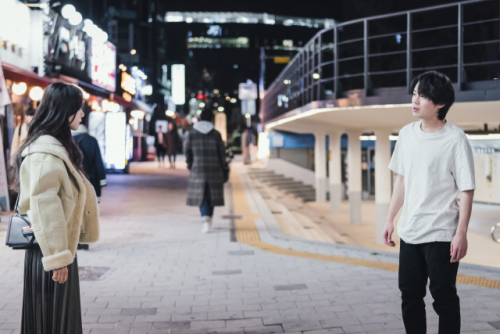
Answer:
(466, 115)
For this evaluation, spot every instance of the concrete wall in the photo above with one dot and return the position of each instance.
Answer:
(302, 157)
(487, 171)
(298, 173)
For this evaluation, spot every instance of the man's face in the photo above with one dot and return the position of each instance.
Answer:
(422, 107)
(27, 119)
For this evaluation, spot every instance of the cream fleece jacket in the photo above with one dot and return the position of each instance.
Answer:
(60, 202)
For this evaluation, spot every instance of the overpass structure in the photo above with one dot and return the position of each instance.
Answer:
(354, 79)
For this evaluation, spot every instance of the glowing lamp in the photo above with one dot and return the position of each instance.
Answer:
(19, 88)
(36, 93)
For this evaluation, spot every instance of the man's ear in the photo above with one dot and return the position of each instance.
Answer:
(440, 105)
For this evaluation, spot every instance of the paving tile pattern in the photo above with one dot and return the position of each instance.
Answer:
(163, 279)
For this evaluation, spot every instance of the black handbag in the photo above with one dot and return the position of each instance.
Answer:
(20, 232)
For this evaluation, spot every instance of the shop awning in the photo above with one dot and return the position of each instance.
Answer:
(30, 78)
(120, 100)
(142, 106)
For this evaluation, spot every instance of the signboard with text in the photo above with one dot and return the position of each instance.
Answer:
(102, 61)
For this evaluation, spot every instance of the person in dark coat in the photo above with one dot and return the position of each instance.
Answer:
(92, 159)
(205, 158)
(174, 143)
(161, 147)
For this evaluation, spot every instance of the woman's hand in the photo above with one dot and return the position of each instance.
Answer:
(60, 275)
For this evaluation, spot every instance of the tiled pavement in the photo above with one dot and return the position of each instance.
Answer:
(159, 274)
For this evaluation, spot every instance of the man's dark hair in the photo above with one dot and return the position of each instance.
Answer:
(207, 115)
(30, 112)
(436, 87)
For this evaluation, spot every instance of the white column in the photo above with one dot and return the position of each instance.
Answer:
(335, 171)
(382, 179)
(320, 166)
(354, 176)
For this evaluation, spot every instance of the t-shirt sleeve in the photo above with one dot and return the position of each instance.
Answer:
(396, 164)
(463, 167)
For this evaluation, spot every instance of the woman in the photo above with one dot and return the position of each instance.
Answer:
(174, 143)
(206, 160)
(62, 207)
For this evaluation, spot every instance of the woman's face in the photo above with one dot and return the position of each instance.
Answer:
(75, 120)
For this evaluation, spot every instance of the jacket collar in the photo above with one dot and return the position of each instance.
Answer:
(46, 144)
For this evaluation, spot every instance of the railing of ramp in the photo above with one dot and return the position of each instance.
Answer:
(461, 40)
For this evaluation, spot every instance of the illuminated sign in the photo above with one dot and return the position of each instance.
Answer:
(128, 83)
(15, 34)
(218, 42)
(247, 91)
(127, 97)
(103, 65)
(115, 156)
(179, 84)
(214, 30)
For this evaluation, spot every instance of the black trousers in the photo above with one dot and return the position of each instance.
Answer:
(417, 263)
(160, 153)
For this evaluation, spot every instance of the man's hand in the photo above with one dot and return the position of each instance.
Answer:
(387, 234)
(458, 247)
(60, 275)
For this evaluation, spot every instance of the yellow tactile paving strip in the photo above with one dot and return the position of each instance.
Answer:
(247, 233)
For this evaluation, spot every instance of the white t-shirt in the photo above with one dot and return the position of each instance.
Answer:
(436, 167)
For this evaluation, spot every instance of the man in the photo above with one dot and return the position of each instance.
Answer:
(20, 133)
(206, 161)
(433, 163)
(92, 159)
(161, 147)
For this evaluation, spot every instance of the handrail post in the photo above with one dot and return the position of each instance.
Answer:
(365, 47)
(408, 51)
(318, 84)
(460, 60)
(336, 62)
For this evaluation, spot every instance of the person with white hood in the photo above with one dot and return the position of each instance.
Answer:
(206, 160)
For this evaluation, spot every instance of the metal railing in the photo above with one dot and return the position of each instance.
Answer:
(461, 40)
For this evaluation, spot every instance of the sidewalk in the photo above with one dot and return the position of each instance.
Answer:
(154, 272)
(315, 221)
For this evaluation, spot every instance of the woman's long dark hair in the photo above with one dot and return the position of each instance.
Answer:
(58, 107)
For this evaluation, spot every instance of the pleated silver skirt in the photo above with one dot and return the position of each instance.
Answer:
(50, 307)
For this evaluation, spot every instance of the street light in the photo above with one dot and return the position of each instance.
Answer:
(67, 11)
(20, 88)
(36, 93)
(133, 52)
(75, 19)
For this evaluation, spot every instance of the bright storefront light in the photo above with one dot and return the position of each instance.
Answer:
(19, 88)
(36, 93)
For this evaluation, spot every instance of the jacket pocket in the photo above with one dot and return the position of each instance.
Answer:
(68, 207)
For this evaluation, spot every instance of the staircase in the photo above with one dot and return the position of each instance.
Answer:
(286, 184)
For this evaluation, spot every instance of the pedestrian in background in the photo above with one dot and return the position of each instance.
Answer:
(206, 160)
(92, 159)
(20, 133)
(174, 143)
(433, 163)
(62, 206)
(161, 147)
